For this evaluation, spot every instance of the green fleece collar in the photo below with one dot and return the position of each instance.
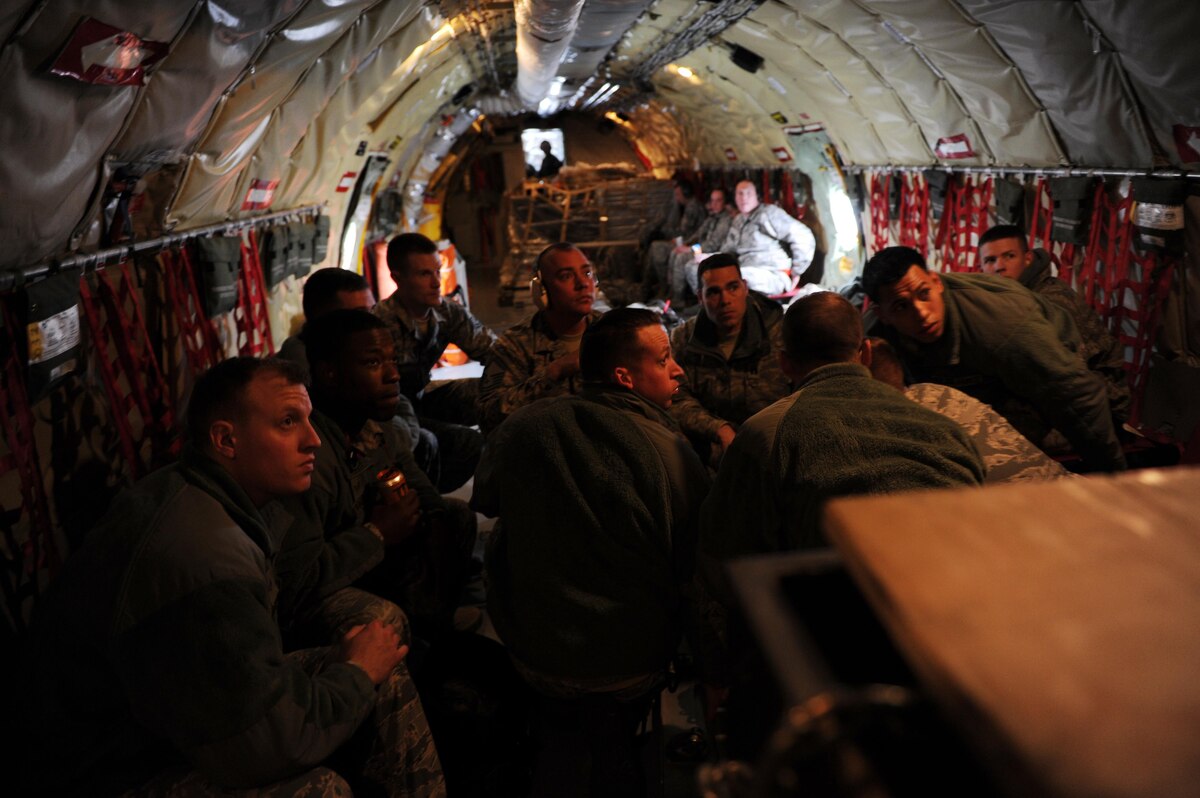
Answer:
(618, 397)
(203, 472)
(753, 341)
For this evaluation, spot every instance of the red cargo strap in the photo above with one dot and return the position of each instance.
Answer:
(120, 327)
(251, 314)
(880, 223)
(914, 213)
(964, 220)
(1062, 254)
(25, 557)
(199, 338)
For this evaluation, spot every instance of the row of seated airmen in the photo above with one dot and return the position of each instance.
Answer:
(239, 621)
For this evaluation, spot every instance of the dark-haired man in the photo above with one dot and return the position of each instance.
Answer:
(330, 289)
(597, 497)
(729, 354)
(347, 521)
(999, 342)
(1004, 252)
(326, 290)
(841, 433)
(156, 660)
(680, 220)
(682, 268)
(539, 357)
(422, 325)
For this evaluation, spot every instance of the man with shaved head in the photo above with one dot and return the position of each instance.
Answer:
(775, 249)
(840, 433)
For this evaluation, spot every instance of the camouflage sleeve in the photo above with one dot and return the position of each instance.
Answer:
(511, 379)
(800, 240)
(691, 416)
(714, 240)
(686, 409)
(468, 333)
(693, 218)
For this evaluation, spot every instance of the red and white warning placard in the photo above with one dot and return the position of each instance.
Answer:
(347, 182)
(730, 154)
(107, 56)
(950, 147)
(260, 194)
(782, 154)
(1187, 142)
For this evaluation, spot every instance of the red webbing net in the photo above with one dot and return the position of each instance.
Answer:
(914, 213)
(880, 185)
(964, 220)
(25, 555)
(251, 314)
(129, 369)
(200, 340)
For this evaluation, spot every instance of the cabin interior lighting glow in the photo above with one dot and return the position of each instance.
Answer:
(685, 72)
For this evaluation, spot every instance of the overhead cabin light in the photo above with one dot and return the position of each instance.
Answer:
(686, 72)
(443, 33)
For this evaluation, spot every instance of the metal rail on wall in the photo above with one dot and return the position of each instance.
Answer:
(1047, 171)
(15, 278)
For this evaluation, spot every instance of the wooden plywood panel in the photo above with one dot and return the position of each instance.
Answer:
(1058, 623)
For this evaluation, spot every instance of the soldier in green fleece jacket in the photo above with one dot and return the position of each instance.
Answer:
(156, 663)
(999, 342)
(597, 497)
(841, 433)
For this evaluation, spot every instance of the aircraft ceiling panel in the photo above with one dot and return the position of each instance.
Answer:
(1083, 91)
(1014, 128)
(210, 195)
(729, 115)
(1156, 43)
(426, 101)
(830, 106)
(927, 99)
(863, 111)
(393, 68)
(219, 44)
(56, 130)
(661, 136)
(245, 112)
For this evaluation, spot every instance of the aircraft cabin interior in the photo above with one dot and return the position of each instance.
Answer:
(173, 171)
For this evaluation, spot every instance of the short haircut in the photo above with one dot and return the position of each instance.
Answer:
(218, 392)
(885, 363)
(686, 188)
(887, 267)
(718, 261)
(561, 246)
(718, 190)
(405, 244)
(1003, 231)
(322, 287)
(325, 337)
(611, 341)
(822, 328)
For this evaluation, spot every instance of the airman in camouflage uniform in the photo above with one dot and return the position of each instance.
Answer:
(540, 356)
(729, 355)
(682, 270)
(681, 219)
(422, 324)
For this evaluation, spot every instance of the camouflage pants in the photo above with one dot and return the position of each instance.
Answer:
(402, 760)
